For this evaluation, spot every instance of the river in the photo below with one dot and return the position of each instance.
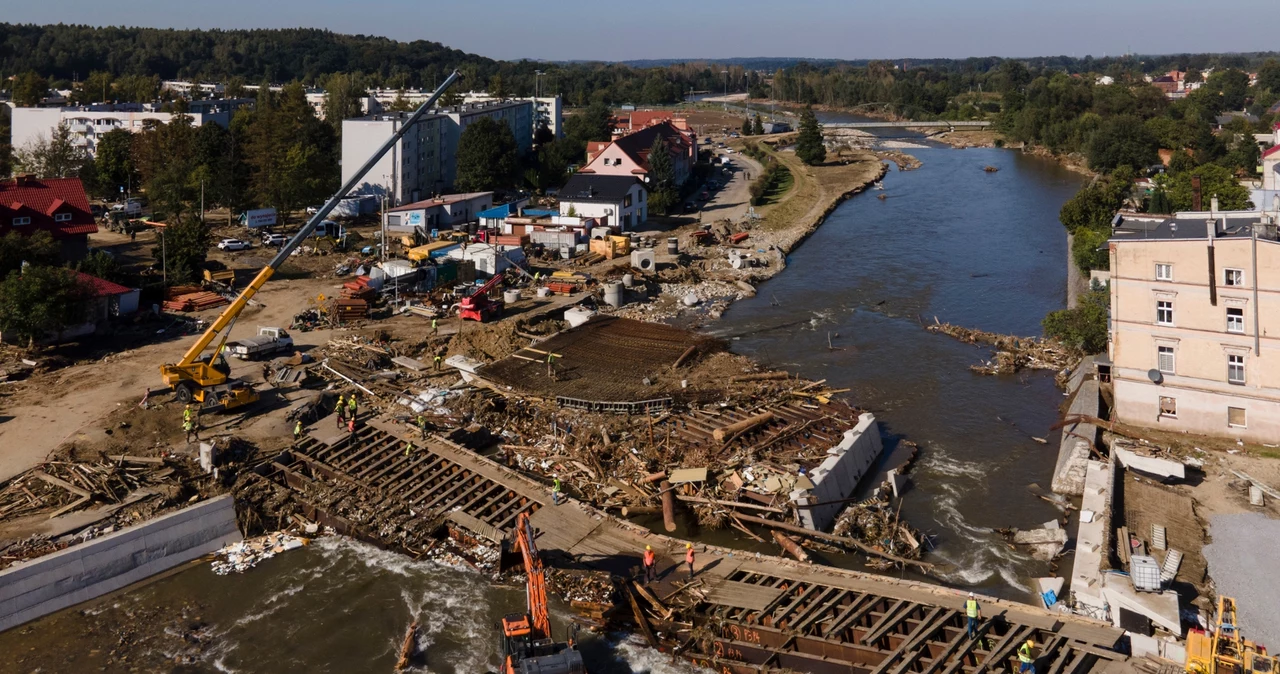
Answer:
(980, 249)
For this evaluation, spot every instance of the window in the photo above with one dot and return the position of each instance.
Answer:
(1233, 277)
(626, 201)
(1236, 417)
(393, 220)
(1164, 359)
(1168, 406)
(1164, 312)
(1164, 272)
(22, 221)
(1235, 319)
(61, 217)
(1235, 369)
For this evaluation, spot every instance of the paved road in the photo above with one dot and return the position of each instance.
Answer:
(733, 199)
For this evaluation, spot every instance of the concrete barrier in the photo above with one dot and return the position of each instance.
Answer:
(1077, 438)
(839, 474)
(51, 583)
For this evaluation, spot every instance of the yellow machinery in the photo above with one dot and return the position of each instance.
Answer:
(207, 379)
(1225, 651)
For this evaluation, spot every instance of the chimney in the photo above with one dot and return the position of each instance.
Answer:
(1195, 193)
(1213, 206)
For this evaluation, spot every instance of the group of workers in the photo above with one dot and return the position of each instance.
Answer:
(1026, 655)
(346, 411)
(649, 562)
(190, 421)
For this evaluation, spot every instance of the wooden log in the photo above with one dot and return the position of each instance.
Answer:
(407, 647)
(654, 477)
(733, 521)
(125, 458)
(631, 511)
(792, 548)
(729, 504)
(641, 621)
(836, 539)
(668, 507)
(745, 425)
(761, 376)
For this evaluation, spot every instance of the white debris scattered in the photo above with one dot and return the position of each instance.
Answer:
(244, 555)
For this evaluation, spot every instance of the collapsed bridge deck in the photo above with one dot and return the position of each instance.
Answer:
(763, 613)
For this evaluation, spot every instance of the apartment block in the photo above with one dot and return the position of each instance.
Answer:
(1195, 322)
(88, 123)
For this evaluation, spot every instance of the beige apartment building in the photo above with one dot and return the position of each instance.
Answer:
(1195, 323)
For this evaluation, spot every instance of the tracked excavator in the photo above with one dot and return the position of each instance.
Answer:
(1224, 650)
(205, 378)
(527, 645)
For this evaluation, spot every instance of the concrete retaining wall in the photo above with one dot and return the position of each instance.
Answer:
(1077, 438)
(94, 568)
(839, 474)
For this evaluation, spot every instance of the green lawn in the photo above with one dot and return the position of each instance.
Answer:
(782, 183)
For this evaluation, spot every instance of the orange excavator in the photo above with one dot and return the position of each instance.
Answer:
(526, 637)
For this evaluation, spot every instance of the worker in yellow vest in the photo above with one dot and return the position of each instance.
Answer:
(186, 413)
(435, 327)
(297, 430)
(1025, 661)
(973, 613)
(351, 406)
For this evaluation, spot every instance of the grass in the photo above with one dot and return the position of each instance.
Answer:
(782, 183)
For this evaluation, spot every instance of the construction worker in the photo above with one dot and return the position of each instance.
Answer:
(650, 562)
(973, 613)
(297, 430)
(341, 403)
(351, 406)
(191, 429)
(437, 362)
(551, 365)
(435, 327)
(186, 413)
(146, 400)
(351, 425)
(422, 426)
(556, 490)
(688, 559)
(1025, 661)
(408, 448)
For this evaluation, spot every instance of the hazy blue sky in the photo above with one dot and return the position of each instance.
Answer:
(630, 29)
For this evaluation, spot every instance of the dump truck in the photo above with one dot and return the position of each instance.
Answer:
(268, 341)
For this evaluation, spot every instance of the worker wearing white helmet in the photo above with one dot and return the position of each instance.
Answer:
(973, 613)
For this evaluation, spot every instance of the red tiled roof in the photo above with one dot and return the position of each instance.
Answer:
(1271, 151)
(40, 200)
(638, 144)
(102, 287)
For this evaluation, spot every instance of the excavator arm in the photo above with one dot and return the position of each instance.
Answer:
(204, 374)
(536, 587)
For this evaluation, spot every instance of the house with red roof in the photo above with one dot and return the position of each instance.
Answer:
(106, 301)
(629, 155)
(56, 205)
(1271, 168)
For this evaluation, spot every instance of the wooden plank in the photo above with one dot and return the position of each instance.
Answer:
(471, 523)
(851, 613)
(952, 645)
(886, 621)
(907, 644)
(742, 595)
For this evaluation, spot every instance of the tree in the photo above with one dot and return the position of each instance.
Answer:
(184, 249)
(291, 155)
(1231, 85)
(96, 88)
(757, 128)
(746, 126)
(1095, 204)
(1269, 76)
(1214, 181)
(41, 300)
(342, 99)
(29, 89)
(164, 155)
(114, 162)
(1121, 141)
(39, 248)
(6, 150)
(1160, 202)
(543, 134)
(401, 104)
(54, 157)
(663, 194)
(495, 87)
(1083, 328)
(592, 124)
(809, 146)
(487, 156)
(100, 264)
(1089, 249)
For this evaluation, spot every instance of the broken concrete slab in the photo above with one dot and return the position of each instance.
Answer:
(1154, 466)
(1044, 544)
(1160, 607)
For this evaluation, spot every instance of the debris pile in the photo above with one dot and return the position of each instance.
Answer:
(244, 555)
(1012, 353)
(877, 524)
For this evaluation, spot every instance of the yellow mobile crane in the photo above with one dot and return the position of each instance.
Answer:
(1225, 651)
(206, 379)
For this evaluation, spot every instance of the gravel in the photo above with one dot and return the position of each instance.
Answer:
(1242, 562)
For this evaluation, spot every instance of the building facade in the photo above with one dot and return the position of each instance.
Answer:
(1195, 323)
(425, 161)
(629, 154)
(615, 201)
(440, 213)
(88, 123)
(56, 205)
(547, 110)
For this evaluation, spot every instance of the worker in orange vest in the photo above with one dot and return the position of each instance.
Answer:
(650, 562)
(688, 558)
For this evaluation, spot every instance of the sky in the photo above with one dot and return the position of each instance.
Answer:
(689, 29)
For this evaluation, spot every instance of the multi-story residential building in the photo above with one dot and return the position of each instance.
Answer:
(425, 161)
(629, 155)
(616, 201)
(1195, 322)
(88, 123)
(547, 110)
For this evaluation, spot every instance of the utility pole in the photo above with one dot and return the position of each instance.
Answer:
(202, 201)
(164, 263)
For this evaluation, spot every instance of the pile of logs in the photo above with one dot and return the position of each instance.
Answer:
(1012, 353)
(59, 487)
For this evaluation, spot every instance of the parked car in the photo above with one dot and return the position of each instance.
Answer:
(312, 210)
(690, 207)
(234, 244)
(276, 240)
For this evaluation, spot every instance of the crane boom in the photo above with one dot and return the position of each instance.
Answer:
(233, 310)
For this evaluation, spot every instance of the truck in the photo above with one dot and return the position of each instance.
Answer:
(268, 341)
(130, 209)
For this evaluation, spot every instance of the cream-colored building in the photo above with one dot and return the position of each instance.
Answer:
(1195, 323)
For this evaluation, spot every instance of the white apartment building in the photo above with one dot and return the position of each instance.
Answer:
(546, 109)
(89, 123)
(1195, 323)
(424, 162)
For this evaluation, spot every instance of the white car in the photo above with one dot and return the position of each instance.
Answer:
(234, 244)
(274, 239)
